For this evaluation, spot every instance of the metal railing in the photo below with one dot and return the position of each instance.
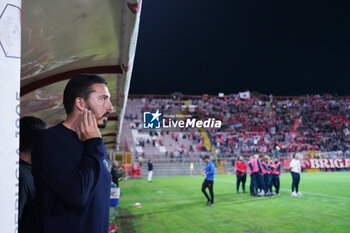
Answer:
(228, 161)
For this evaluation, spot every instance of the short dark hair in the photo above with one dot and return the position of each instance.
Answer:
(29, 132)
(206, 157)
(79, 86)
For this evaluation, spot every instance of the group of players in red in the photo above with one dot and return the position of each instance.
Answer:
(264, 173)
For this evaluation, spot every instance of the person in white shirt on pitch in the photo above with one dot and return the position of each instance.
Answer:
(295, 170)
(150, 171)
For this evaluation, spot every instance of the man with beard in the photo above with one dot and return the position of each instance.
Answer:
(70, 167)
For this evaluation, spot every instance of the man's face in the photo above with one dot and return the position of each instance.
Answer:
(206, 160)
(240, 158)
(276, 160)
(99, 102)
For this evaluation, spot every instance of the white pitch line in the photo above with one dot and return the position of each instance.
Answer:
(322, 195)
(308, 193)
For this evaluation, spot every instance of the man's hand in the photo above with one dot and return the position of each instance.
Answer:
(88, 126)
(204, 174)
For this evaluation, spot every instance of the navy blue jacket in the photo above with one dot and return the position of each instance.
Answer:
(26, 196)
(72, 181)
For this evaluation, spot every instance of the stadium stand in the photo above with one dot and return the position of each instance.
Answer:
(260, 124)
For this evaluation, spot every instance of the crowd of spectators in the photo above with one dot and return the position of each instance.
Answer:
(264, 124)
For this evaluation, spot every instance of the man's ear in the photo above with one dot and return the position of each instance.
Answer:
(80, 103)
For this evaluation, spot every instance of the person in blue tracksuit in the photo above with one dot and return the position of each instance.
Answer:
(209, 180)
(70, 167)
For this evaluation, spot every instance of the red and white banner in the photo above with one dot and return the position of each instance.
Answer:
(10, 66)
(319, 163)
(296, 124)
(244, 95)
(337, 121)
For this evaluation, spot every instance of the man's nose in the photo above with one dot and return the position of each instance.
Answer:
(110, 106)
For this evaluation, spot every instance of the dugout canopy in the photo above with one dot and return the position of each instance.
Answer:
(64, 38)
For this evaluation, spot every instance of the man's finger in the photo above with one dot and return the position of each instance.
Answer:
(85, 119)
(90, 118)
(82, 125)
(94, 121)
(81, 121)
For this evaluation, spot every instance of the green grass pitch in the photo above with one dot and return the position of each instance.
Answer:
(176, 204)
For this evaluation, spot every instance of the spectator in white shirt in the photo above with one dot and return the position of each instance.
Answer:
(295, 170)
